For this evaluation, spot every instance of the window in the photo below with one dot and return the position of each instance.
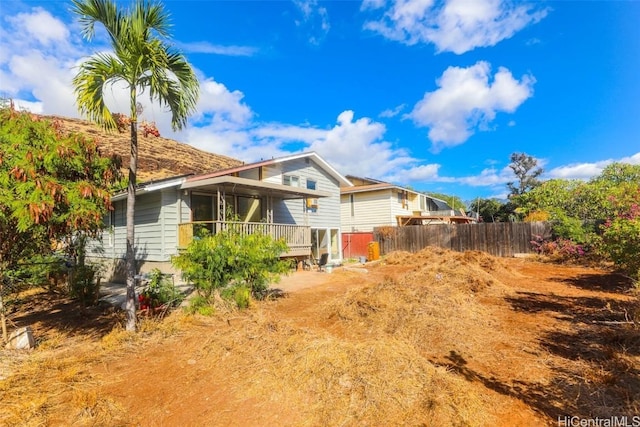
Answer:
(311, 203)
(311, 184)
(403, 200)
(291, 180)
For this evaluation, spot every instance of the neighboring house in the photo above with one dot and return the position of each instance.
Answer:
(371, 203)
(296, 197)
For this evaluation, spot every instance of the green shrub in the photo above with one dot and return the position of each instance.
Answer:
(160, 291)
(232, 258)
(621, 240)
(84, 284)
(200, 305)
(240, 295)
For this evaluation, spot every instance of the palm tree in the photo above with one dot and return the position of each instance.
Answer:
(142, 60)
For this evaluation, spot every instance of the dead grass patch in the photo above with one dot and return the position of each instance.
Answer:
(342, 382)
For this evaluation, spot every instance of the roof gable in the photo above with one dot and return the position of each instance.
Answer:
(343, 181)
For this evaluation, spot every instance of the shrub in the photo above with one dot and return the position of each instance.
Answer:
(84, 284)
(200, 305)
(621, 240)
(159, 291)
(214, 262)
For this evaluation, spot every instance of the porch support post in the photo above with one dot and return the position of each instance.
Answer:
(269, 209)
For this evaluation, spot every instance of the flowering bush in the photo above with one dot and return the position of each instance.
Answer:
(122, 122)
(621, 239)
(149, 129)
(558, 248)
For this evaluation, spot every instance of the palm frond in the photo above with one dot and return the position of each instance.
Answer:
(104, 12)
(94, 74)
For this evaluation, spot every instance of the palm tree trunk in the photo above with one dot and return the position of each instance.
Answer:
(130, 307)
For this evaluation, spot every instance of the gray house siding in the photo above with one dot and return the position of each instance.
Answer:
(293, 211)
(155, 231)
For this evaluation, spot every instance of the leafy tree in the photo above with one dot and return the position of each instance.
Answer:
(621, 237)
(602, 213)
(488, 209)
(52, 185)
(525, 169)
(142, 60)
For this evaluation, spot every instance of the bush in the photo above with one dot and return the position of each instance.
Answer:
(621, 241)
(159, 291)
(215, 262)
(560, 249)
(84, 284)
(200, 305)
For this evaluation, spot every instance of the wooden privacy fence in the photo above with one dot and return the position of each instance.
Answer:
(496, 238)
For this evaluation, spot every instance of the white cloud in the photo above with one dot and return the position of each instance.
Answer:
(489, 177)
(388, 113)
(349, 141)
(467, 100)
(315, 18)
(225, 105)
(41, 26)
(453, 25)
(206, 47)
(586, 171)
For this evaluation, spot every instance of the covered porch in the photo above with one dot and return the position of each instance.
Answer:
(221, 202)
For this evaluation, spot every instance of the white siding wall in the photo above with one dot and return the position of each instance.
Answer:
(292, 211)
(272, 174)
(397, 208)
(371, 209)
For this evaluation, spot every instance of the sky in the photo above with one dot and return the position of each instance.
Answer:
(435, 95)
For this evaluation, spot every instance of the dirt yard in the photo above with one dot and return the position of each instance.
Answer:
(434, 338)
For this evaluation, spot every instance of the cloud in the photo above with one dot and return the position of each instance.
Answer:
(489, 177)
(40, 26)
(315, 18)
(206, 47)
(392, 112)
(467, 100)
(351, 139)
(585, 171)
(452, 25)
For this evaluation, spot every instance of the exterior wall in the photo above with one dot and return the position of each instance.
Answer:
(397, 208)
(156, 228)
(293, 211)
(371, 209)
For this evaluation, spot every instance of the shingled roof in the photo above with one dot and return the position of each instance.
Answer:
(158, 157)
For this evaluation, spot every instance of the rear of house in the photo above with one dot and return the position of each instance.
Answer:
(295, 197)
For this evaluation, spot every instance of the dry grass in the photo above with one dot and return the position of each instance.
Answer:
(440, 343)
(341, 382)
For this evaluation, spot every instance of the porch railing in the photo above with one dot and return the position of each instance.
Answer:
(297, 237)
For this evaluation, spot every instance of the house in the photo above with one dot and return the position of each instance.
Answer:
(296, 197)
(371, 203)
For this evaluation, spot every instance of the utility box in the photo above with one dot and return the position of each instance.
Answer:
(373, 248)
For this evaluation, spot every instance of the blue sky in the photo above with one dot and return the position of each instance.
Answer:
(431, 94)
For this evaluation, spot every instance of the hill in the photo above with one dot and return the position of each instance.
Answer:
(158, 157)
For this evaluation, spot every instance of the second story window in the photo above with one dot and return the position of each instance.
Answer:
(311, 203)
(291, 180)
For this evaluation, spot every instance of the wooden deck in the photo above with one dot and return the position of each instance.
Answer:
(297, 237)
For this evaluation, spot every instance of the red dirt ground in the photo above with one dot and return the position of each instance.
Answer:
(558, 344)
